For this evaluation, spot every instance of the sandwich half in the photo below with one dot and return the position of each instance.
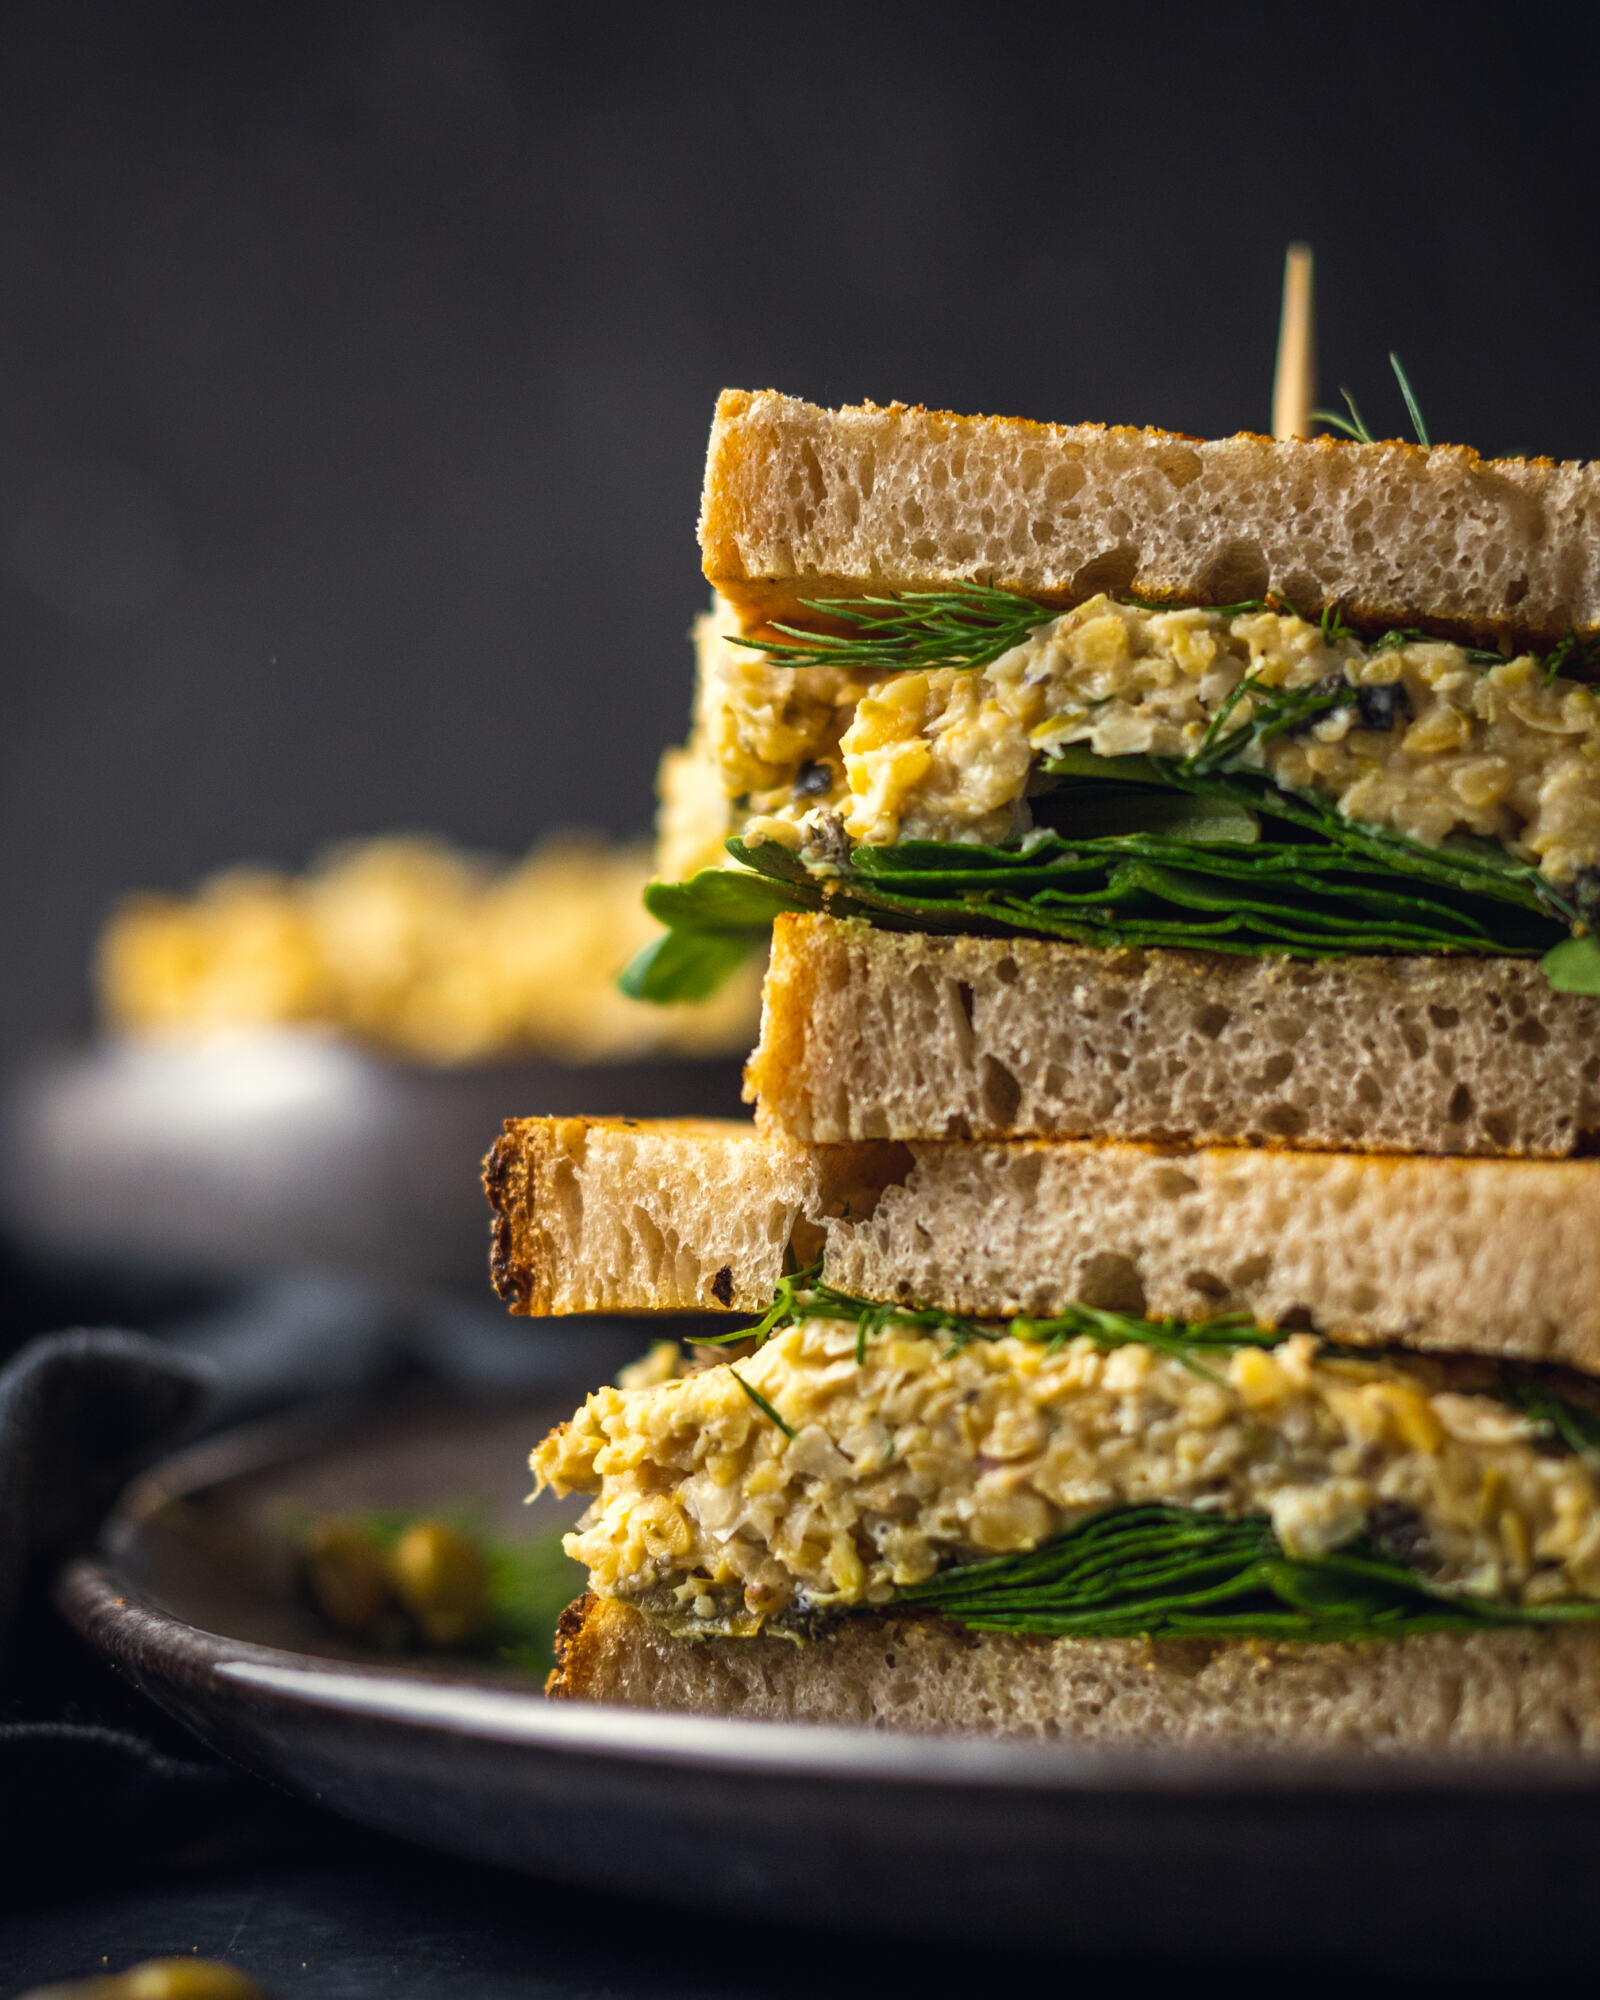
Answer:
(1195, 711)
(1073, 1519)
(1169, 846)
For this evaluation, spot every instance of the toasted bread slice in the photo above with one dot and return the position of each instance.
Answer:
(1493, 1690)
(661, 1215)
(802, 502)
(868, 1033)
(1498, 1257)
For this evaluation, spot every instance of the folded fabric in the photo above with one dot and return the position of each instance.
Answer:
(103, 1782)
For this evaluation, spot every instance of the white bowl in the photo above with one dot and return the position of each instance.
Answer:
(263, 1151)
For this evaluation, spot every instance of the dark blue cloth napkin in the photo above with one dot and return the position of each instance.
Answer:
(102, 1781)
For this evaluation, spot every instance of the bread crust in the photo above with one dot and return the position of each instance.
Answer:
(1508, 1689)
(514, 1270)
(801, 502)
(866, 1032)
(576, 1658)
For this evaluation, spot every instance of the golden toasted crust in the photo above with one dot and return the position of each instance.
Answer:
(514, 1274)
(525, 1175)
(804, 503)
(1513, 1688)
(569, 1672)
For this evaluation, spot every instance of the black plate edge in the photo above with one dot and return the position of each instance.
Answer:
(155, 1648)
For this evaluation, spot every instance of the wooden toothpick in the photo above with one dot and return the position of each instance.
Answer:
(1294, 386)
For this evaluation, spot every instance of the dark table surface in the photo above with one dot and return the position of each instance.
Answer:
(339, 1913)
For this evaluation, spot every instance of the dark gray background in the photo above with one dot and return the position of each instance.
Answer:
(356, 360)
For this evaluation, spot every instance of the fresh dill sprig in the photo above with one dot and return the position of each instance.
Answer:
(1577, 1428)
(1273, 712)
(1161, 1571)
(971, 625)
(1578, 652)
(1396, 637)
(761, 1403)
(1410, 635)
(1355, 425)
(1271, 602)
(968, 626)
(1413, 411)
(803, 1295)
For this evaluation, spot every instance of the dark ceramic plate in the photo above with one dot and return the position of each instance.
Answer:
(274, 1149)
(1152, 1851)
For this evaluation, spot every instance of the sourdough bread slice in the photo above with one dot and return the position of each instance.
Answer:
(1442, 1691)
(868, 1033)
(661, 1215)
(1498, 1257)
(801, 502)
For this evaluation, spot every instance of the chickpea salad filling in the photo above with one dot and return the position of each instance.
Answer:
(1239, 778)
(1091, 1475)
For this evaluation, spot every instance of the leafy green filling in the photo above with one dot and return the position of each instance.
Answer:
(714, 922)
(1139, 852)
(1573, 966)
(1132, 851)
(1171, 1572)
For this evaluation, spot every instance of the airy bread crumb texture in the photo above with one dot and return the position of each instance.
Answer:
(1484, 1256)
(1498, 1257)
(661, 1215)
(867, 1033)
(806, 502)
(580, 1226)
(1446, 1691)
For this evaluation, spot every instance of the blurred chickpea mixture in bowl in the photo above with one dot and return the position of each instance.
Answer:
(413, 947)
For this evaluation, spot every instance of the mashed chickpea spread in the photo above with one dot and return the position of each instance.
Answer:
(710, 1516)
(1436, 742)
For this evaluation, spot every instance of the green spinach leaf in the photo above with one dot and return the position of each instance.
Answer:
(1573, 966)
(1159, 1571)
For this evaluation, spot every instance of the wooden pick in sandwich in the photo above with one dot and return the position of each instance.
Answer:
(1294, 386)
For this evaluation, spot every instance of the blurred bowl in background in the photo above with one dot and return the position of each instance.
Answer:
(284, 1148)
(305, 1071)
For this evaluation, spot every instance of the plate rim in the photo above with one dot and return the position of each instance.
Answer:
(120, 1618)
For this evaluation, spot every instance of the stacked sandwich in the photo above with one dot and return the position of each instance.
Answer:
(1176, 1294)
